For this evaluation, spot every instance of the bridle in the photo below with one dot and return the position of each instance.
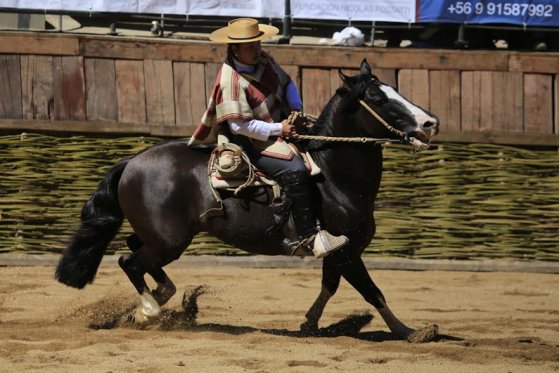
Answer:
(404, 138)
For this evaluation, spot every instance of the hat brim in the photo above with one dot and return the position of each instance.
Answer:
(221, 35)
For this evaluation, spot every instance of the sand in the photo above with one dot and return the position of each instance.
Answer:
(247, 320)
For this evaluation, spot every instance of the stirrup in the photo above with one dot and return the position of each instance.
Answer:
(300, 248)
(326, 243)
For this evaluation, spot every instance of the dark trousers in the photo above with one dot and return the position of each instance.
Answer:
(294, 177)
(275, 168)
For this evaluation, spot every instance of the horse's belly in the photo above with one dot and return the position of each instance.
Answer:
(249, 227)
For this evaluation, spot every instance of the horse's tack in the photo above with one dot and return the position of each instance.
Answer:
(230, 168)
(306, 121)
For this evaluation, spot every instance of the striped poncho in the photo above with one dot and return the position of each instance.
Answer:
(258, 95)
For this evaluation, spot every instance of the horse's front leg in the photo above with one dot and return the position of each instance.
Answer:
(330, 281)
(354, 271)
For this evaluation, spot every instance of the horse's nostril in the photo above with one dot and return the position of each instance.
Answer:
(429, 125)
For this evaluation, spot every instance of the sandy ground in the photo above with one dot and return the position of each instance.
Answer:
(248, 320)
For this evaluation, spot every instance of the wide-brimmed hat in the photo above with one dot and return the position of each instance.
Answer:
(243, 30)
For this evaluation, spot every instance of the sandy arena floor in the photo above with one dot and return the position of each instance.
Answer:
(247, 320)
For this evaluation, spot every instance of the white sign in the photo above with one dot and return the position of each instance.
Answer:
(237, 8)
(358, 10)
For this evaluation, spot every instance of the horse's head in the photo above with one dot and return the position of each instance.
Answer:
(380, 111)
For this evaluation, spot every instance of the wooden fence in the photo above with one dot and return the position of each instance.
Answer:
(82, 83)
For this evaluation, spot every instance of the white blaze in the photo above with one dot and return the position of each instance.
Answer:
(419, 114)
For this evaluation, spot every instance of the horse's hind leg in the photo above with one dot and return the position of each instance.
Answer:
(330, 281)
(354, 271)
(135, 265)
(165, 287)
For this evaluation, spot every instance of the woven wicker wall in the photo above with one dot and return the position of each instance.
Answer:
(452, 201)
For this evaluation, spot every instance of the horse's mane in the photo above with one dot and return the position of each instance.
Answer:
(345, 99)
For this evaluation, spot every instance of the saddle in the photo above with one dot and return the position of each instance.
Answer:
(230, 168)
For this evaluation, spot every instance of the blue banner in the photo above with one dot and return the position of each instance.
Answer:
(517, 12)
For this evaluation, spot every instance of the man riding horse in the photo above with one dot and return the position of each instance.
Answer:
(249, 104)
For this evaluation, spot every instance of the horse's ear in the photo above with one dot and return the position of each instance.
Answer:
(343, 76)
(365, 68)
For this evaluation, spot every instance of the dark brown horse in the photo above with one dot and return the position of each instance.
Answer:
(163, 190)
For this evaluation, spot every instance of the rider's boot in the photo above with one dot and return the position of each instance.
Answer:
(297, 190)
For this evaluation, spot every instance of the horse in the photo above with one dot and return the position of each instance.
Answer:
(164, 190)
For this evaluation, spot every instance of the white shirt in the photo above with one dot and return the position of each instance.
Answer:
(257, 129)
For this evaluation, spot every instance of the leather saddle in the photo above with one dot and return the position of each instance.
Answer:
(230, 168)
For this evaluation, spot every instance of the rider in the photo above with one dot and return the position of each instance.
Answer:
(253, 96)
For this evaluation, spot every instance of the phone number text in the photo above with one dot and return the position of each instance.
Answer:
(501, 9)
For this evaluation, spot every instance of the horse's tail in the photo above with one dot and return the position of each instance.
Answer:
(101, 219)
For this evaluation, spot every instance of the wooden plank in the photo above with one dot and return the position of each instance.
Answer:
(68, 88)
(486, 95)
(130, 91)
(37, 87)
(316, 90)
(35, 43)
(190, 100)
(199, 99)
(295, 73)
(534, 62)
(444, 89)
(143, 49)
(182, 81)
(100, 80)
(160, 100)
(414, 85)
(10, 87)
(538, 104)
(387, 76)
(506, 112)
(470, 85)
(391, 58)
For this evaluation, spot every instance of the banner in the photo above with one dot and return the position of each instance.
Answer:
(358, 10)
(517, 12)
(369, 10)
(228, 8)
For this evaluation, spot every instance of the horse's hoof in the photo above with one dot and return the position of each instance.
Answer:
(424, 335)
(140, 318)
(309, 328)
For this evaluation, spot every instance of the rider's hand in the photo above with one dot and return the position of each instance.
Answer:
(287, 129)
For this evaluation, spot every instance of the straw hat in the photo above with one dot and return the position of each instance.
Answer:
(243, 30)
